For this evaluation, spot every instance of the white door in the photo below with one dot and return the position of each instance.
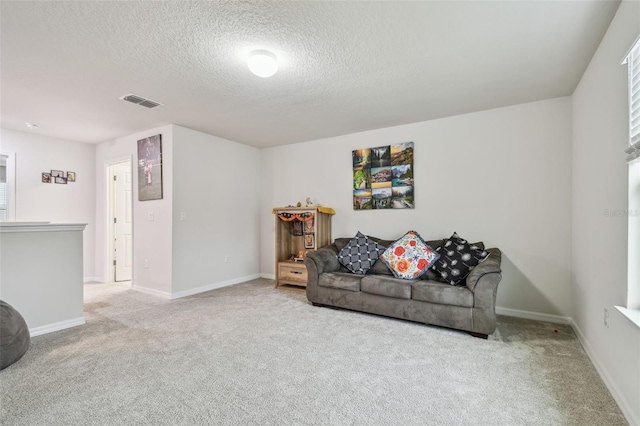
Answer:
(123, 223)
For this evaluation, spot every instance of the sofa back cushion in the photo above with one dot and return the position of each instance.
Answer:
(379, 268)
(341, 243)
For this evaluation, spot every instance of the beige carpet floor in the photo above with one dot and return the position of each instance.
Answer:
(249, 354)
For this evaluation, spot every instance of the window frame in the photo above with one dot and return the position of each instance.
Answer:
(632, 61)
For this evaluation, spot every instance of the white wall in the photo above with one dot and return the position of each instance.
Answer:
(501, 176)
(37, 201)
(151, 239)
(600, 135)
(41, 274)
(216, 182)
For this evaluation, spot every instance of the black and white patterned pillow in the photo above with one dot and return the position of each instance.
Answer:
(458, 258)
(360, 254)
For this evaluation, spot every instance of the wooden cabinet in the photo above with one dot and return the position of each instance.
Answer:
(299, 230)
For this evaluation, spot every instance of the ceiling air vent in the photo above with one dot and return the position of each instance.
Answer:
(139, 100)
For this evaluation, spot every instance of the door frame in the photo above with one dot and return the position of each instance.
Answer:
(11, 185)
(109, 267)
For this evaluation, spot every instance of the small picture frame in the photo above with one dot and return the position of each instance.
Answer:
(46, 177)
(308, 226)
(71, 176)
(297, 228)
(309, 241)
(57, 174)
(61, 180)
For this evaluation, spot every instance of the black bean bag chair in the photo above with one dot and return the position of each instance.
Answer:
(14, 335)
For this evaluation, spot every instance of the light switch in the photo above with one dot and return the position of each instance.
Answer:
(183, 215)
(150, 216)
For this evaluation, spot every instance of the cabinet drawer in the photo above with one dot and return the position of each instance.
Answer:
(292, 272)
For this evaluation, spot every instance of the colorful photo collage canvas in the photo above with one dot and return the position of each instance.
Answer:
(383, 177)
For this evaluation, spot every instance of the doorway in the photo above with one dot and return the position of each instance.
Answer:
(120, 221)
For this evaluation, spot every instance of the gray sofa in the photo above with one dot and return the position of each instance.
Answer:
(429, 300)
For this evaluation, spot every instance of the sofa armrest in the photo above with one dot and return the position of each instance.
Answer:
(317, 262)
(490, 265)
(325, 259)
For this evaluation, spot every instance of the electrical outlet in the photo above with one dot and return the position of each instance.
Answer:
(146, 263)
(226, 259)
(606, 318)
(150, 216)
(183, 215)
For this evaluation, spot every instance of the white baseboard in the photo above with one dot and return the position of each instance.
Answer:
(151, 291)
(268, 276)
(57, 326)
(536, 316)
(92, 279)
(213, 286)
(624, 405)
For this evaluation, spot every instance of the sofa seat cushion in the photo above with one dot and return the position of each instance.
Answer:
(341, 280)
(442, 294)
(386, 286)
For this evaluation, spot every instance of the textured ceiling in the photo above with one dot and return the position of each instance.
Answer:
(344, 66)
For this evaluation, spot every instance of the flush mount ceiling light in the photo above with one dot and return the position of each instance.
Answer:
(31, 125)
(262, 63)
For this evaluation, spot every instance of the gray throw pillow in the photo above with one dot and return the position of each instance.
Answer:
(360, 254)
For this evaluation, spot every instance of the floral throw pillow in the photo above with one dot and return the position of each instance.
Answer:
(458, 258)
(409, 257)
